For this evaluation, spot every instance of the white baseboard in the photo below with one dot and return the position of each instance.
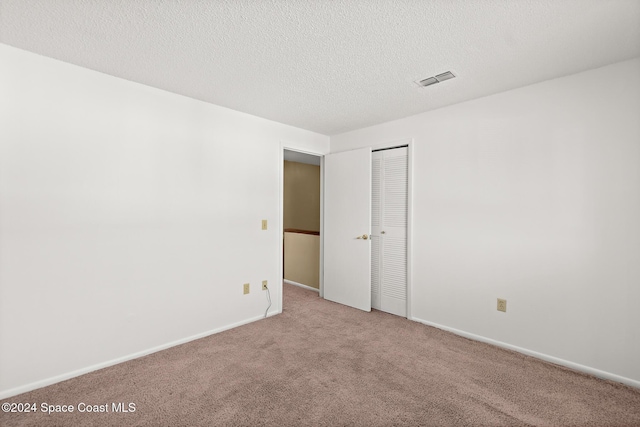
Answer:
(58, 378)
(576, 366)
(291, 282)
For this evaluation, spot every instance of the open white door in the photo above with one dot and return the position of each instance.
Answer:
(347, 228)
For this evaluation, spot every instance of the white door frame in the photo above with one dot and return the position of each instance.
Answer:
(292, 147)
(409, 143)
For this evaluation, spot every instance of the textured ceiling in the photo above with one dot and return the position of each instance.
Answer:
(328, 66)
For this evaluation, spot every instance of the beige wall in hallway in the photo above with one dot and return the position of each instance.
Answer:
(302, 258)
(301, 196)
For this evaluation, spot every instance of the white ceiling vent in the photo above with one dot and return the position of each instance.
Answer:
(445, 76)
(428, 82)
(437, 79)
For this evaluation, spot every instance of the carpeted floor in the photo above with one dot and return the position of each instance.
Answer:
(320, 363)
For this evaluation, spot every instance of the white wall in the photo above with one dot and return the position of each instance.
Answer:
(532, 195)
(129, 218)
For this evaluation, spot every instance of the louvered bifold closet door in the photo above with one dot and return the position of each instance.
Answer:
(389, 231)
(376, 198)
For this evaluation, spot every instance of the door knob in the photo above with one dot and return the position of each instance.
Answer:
(364, 237)
(382, 232)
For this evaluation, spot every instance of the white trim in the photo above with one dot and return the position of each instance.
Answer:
(409, 227)
(291, 282)
(321, 278)
(280, 256)
(576, 366)
(62, 377)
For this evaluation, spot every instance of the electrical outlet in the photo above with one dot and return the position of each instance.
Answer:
(264, 285)
(502, 305)
(264, 224)
(245, 288)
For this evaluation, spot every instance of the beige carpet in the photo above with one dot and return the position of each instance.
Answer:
(320, 363)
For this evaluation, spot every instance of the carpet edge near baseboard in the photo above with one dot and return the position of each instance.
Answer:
(4, 394)
(552, 359)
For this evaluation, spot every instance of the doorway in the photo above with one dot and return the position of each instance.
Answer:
(301, 219)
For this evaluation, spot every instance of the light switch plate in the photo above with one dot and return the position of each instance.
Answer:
(245, 288)
(264, 224)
